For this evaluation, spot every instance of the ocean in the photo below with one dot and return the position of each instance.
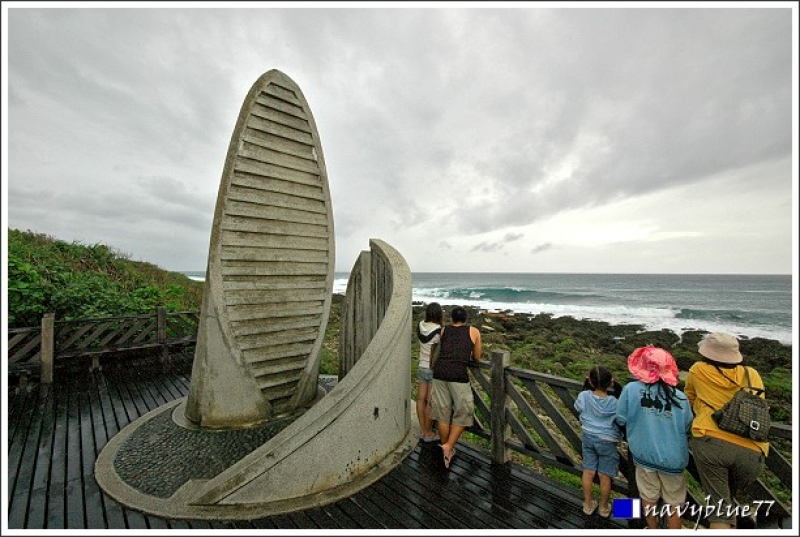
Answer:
(743, 305)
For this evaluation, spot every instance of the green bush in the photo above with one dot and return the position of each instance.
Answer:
(74, 281)
(27, 292)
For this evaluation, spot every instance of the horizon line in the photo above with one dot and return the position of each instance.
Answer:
(576, 273)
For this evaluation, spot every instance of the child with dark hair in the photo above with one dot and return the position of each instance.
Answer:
(428, 333)
(597, 411)
(657, 417)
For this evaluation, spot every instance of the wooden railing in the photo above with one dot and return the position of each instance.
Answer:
(533, 414)
(516, 410)
(37, 351)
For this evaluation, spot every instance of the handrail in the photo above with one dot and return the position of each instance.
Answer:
(538, 420)
(32, 350)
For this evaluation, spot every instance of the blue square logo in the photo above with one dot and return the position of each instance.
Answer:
(627, 508)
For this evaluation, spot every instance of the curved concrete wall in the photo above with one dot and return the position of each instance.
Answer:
(368, 295)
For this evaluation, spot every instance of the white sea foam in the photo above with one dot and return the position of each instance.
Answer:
(649, 318)
(339, 286)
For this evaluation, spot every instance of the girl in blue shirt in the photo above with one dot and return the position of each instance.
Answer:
(597, 411)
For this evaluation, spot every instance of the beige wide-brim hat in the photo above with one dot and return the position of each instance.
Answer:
(720, 347)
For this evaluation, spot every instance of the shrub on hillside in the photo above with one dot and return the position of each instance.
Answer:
(74, 281)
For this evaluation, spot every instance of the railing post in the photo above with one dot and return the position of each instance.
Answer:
(48, 347)
(161, 332)
(500, 401)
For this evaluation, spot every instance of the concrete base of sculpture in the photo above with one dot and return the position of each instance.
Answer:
(168, 486)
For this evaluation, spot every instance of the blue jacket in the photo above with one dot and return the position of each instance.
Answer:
(597, 415)
(657, 432)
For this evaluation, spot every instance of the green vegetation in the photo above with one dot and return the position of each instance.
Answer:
(74, 281)
(329, 361)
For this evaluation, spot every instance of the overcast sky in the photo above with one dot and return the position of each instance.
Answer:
(526, 139)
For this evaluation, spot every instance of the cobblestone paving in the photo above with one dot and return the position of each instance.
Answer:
(160, 456)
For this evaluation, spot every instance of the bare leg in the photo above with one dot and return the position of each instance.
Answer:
(674, 519)
(444, 431)
(423, 409)
(605, 491)
(650, 514)
(449, 441)
(586, 482)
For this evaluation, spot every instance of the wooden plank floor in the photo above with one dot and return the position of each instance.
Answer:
(56, 432)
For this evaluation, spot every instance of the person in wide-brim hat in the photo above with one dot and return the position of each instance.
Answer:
(720, 347)
(657, 417)
(727, 463)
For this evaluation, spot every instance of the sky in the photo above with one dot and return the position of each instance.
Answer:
(533, 137)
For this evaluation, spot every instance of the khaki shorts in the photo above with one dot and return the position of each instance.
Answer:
(654, 485)
(451, 402)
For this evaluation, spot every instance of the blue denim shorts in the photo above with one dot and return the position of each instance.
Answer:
(425, 375)
(600, 455)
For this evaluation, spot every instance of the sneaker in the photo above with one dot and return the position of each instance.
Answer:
(591, 508)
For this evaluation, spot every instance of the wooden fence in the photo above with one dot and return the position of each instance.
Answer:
(533, 414)
(38, 351)
(516, 410)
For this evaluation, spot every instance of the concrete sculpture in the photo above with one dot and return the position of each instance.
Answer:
(256, 435)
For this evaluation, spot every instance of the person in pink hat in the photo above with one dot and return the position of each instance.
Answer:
(726, 462)
(657, 417)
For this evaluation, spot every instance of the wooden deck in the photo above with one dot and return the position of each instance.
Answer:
(56, 431)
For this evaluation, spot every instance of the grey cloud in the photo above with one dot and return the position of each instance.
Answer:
(487, 247)
(41, 207)
(673, 121)
(510, 115)
(176, 193)
(542, 248)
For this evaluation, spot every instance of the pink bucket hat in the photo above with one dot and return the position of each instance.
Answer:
(649, 364)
